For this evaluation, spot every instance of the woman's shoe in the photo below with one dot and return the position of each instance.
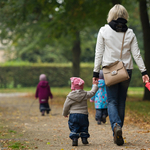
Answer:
(118, 139)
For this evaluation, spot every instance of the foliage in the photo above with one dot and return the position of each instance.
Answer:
(27, 74)
(134, 21)
(136, 78)
(88, 44)
(43, 31)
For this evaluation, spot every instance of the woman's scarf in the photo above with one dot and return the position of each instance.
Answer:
(119, 25)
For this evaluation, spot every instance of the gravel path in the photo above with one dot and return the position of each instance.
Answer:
(50, 132)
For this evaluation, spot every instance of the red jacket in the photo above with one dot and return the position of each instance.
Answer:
(148, 85)
(43, 92)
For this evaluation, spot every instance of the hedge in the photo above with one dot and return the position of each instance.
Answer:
(58, 75)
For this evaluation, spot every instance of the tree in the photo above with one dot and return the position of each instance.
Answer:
(60, 18)
(146, 36)
(116, 2)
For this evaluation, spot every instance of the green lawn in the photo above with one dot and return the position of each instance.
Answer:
(136, 92)
(133, 92)
(63, 91)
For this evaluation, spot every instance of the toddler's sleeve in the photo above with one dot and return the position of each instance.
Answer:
(66, 107)
(92, 99)
(50, 94)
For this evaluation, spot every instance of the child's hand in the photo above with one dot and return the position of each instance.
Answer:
(148, 85)
(145, 78)
(95, 82)
(95, 79)
(91, 100)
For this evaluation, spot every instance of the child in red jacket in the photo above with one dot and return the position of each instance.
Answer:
(43, 92)
(148, 85)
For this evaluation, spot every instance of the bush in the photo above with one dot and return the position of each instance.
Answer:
(27, 75)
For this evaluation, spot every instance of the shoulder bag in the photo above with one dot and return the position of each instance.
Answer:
(115, 72)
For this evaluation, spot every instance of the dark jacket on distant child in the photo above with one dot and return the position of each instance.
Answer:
(43, 92)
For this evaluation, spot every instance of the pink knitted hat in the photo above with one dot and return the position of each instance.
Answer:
(42, 77)
(76, 83)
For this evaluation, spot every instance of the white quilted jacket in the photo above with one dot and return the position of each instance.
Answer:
(108, 49)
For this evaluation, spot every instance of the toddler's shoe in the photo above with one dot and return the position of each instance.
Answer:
(98, 122)
(75, 142)
(47, 112)
(85, 141)
(104, 118)
(43, 113)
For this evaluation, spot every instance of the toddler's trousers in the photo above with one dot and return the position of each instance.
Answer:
(100, 113)
(78, 125)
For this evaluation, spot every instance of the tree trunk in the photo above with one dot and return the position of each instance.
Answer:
(146, 37)
(114, 2)
(76, 51)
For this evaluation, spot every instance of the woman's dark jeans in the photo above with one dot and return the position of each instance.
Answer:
(116, 96)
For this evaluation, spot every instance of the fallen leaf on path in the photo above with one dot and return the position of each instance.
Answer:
(125, 141)
(143, 131)
(27, 142)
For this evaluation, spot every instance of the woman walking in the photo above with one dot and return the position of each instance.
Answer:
(108, 48)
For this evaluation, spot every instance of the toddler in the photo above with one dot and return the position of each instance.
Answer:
(147, 85)
(76, 107)
(100, 99)
(43, 92)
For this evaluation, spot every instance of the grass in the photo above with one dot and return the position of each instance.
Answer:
(139, 110)
(133, 92)
(26, 63)
(58, 91)
(7, 141)
(16, 145)
(18, 90)
(136, 92)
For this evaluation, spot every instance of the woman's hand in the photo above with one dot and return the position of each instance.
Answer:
(95, 80)
(145, 78)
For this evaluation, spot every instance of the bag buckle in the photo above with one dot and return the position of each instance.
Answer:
(113, 72)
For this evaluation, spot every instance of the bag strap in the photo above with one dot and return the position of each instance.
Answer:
(122, 45)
